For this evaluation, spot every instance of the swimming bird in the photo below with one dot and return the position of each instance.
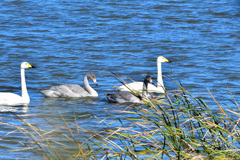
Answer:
(126, 96)
(137, 86)
(11, 99)
(73, 90)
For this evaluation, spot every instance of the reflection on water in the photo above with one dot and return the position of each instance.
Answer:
(14, 109)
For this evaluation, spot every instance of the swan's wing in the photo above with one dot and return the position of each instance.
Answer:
(11, 99)
(50, 93)
(153, 88)
(76, 90)
(67, 90)
(135, 85)
(122, 97)
(138, 86)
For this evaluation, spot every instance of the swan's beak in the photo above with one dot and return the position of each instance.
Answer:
(30, 66)
(95, 83)
(166, 60)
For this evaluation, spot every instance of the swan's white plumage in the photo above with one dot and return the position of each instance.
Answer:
(137, 86)
(72, 90)
(11, 99)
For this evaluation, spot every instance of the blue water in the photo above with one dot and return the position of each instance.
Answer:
(67, 39)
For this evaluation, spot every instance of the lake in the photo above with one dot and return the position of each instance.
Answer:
(67, 39)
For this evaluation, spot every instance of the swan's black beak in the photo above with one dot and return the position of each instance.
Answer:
(96, 83)
(34, 67)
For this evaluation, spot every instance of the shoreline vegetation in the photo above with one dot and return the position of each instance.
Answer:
(182, 126)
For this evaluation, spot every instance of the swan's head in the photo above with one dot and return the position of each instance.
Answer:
(26, 65)
(92, 77)
(148, 79)
(162, 59)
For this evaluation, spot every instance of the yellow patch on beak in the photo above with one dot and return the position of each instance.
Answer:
(166, 60)
(29, 65)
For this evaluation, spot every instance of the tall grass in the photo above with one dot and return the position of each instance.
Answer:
(182, 126)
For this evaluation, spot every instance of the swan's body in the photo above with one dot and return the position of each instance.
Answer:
(73, 90)
(126, 96)
(11, 99)
(137, 86)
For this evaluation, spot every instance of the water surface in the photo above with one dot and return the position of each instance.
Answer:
(68, 39)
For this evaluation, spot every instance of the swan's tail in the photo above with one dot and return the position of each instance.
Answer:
(50, 93)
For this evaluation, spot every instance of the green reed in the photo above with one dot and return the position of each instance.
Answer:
(180, 126)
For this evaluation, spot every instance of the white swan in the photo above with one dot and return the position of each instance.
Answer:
(11, 99)
(73, 90)
(137, 86)
(126, 96)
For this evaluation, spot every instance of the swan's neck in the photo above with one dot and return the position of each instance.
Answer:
(159, 76)
(88, 88)
(25, 95)
(145, 87)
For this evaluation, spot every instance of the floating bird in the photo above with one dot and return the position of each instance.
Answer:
(73, 90)
(137, 86)
(126, 96)
(11, 99)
